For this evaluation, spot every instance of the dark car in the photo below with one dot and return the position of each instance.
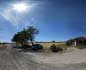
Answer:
(25, 46)
(37, 47)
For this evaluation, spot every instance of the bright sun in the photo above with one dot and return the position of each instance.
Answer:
(21, 7)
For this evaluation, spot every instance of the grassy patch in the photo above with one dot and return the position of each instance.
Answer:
(82, 47)
(63, 46)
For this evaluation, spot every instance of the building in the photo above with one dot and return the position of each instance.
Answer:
(77, 41)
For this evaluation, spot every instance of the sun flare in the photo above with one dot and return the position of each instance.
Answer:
(21, 7)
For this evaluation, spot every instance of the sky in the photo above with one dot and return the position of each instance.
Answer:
(57, 20)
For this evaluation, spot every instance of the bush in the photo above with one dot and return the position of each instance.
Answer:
(40, 47)
(55, 48)
(37, 47)
(63, 46)
(68, 43)
(24, 46)
(59, 49)
(82, 47)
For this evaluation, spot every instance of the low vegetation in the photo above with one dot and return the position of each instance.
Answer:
(64, 46)
(82, 47)
(55, 48)
(25, 46)
(29, 34)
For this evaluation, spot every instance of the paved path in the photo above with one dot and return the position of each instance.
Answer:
(10, 59)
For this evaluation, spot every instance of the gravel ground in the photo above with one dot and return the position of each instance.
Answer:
(11, 59)
(60, 59)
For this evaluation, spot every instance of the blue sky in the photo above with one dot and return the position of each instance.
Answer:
(57, 20)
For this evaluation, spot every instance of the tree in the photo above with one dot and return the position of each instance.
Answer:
(20, 37)
(32, 32)
(25, 35)
(15, 38)
(53, 41)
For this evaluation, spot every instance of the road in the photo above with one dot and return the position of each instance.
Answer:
(11, 59)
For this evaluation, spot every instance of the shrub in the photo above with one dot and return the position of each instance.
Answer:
(63, 46)
(37, 47)
(82, 47)
(68, 43)
(59, 48)
(55, 48)
(24, 46)
(40, 47)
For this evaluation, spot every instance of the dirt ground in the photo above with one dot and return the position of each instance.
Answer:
(12, 59)
(71, 56)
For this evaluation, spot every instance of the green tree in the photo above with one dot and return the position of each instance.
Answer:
(25, 35)
(32, 32)
(15, 38)
(20, 37)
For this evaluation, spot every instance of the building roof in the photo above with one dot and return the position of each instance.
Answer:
(78, 38)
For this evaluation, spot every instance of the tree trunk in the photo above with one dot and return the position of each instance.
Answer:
(17, 44)
(32, 42)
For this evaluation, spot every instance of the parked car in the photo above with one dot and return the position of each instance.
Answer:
(37, 47)
(25, 46)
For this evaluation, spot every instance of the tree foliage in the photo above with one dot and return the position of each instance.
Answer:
(20, 37)
(32, 32)
(25, 35)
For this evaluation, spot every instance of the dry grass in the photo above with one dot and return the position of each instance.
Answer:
(48, 44)
(3, 46)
